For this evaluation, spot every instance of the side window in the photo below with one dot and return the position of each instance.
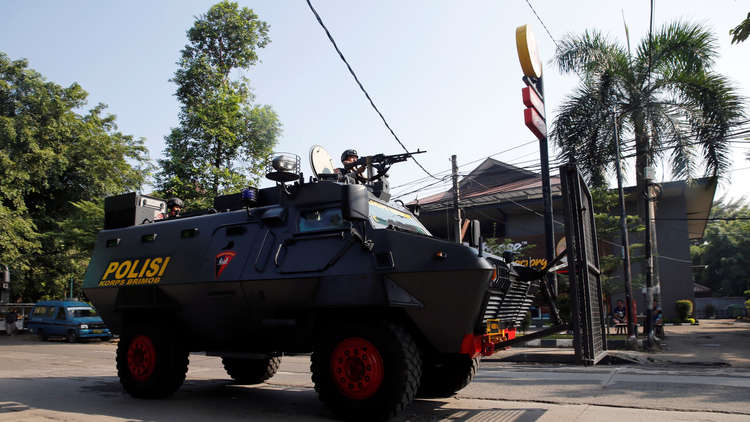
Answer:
(39, 312)
(60, 314)
(50, 311)
(315, 220)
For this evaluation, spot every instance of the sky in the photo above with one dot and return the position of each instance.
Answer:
(444, 73)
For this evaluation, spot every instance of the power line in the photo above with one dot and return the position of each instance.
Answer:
(466, 164)
(356, 79)
(543, 25)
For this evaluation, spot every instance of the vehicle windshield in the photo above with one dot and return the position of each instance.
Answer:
(383, 216)
(82, 312)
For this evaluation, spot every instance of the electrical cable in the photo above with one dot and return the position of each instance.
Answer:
(545, 26)
(356, 79)
(468, 163)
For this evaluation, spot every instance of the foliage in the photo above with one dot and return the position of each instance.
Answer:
(736, 310)
(665, 95)
(746, 293)
(747, 307)
(56, 162)
(684, 309)
(526, 322)
(607, 220)
(222, 139)
(740, 32)
(725, 251)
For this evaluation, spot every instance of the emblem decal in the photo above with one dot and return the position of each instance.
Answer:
(222, 260)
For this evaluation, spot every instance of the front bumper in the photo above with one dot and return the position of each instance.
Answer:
(95, 333)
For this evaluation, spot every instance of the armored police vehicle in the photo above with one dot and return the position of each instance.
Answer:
(324, 266)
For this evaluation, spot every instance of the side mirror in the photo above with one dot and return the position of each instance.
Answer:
(415, 209)
(475, 234)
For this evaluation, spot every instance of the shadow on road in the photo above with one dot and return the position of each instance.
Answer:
(201, 400)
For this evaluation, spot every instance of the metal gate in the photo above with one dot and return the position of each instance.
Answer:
(587, 319)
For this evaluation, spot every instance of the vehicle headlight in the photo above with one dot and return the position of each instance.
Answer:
(84, 327)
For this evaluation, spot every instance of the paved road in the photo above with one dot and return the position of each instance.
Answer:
(77, 382)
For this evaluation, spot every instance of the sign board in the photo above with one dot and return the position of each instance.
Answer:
(531, 99)
(535, 123)
(528, 54)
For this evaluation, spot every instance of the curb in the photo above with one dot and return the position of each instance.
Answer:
(568, 343)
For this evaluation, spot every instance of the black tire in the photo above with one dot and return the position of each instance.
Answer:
(41, 335)
(251, 371)
(71, 337)
(382, 389)
(156, 366)
(444, 376)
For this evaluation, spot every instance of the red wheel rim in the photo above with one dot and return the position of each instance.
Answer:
(141, 358)
(357, 368)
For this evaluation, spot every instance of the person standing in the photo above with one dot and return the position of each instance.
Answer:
(10, 322)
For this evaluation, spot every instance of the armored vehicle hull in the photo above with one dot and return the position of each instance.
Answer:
(316, 267)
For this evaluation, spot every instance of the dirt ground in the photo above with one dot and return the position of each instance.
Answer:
(713, 342)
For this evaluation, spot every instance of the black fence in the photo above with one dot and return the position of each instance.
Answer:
(587, 319)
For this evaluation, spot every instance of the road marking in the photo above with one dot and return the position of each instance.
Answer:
(611, 377)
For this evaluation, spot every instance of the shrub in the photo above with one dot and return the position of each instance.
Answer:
(746, 293)
(710, 310)
(684, 309)
(747, 307)
(735, 311)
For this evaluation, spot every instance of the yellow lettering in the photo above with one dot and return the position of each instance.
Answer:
(143, 269)
(110, 269)
(164, 267)
(153, 268)
(123, 269)
(133, 273)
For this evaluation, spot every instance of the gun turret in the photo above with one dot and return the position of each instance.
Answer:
(380, 162)
(376, 167)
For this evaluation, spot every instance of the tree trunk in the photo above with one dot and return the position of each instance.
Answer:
(217, 164)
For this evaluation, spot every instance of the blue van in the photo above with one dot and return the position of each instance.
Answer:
(70, 319)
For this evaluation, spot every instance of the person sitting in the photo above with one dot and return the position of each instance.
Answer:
(348, 157)
(174, 209)
(619, 315)
(659, 323)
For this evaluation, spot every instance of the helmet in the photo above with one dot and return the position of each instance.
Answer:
(174, 202)
(349, 153)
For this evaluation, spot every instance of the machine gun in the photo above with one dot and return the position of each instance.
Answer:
(380, 162)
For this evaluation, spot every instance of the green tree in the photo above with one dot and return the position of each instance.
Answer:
(222, 138)
(725, 250)
(51, 158)
(665, 95)
(740, 32)
(607, 219)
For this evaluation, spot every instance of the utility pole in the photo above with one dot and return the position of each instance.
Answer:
(456, 209)
(5, 286)
(648, 324)
(625, 243)
(549, 226)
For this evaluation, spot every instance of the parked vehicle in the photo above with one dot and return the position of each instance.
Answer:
(70, 319)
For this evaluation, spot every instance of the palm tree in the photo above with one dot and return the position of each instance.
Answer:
(665, 95)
